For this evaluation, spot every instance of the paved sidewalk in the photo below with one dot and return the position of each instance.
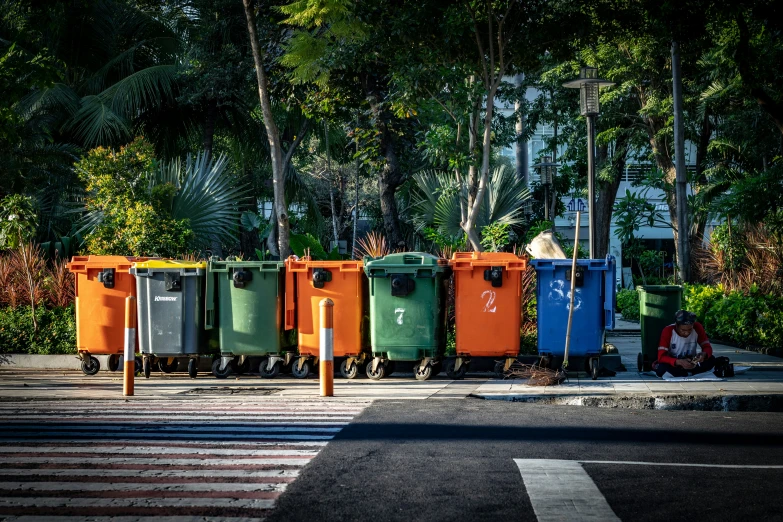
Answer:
(760, 388)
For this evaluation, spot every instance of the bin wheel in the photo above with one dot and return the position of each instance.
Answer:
(146, 367)
(349, 373)
(137, 365)
(91, 365)
(301, 372)
(456, 375)
(266, 373)
(225, 372)
(380, 371)
(167, 367)
(192, 368)
(243, 368)
(499, 369)
(594, 368)
(640, 362)
(114, 362)
(422, 374)
(544, 362)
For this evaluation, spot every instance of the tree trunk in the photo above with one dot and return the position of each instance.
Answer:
(553, 211)
(209, 128)
(473, 211)
(389, 178)
(607, 193)
(273, 136)
(521, 144)
(700, 219)
(681, 175)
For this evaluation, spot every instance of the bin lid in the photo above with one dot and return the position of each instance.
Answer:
(659, 289)
(80, 264)
(262, 266)
(406, 262)
(305, 263)
(170, 264)
(467, 260)
(590, 264)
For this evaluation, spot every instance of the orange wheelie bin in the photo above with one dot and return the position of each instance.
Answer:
(102, 284)
(488, 289)
(345, 284)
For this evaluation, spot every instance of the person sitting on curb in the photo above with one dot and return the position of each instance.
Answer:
(684, 348)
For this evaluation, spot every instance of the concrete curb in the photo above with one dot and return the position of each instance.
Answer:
(756, 403)
(10, 362)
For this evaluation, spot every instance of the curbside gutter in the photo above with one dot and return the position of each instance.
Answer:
(756, 403)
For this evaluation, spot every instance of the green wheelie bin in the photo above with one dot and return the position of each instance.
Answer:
(407, 311)
(245, 302)
(657, 306)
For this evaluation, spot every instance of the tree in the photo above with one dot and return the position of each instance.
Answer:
(280, 159)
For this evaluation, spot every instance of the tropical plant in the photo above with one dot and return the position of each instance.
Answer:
(205, 195)
(436, 201)
(17, 220)
(371, 245)
(494, 237)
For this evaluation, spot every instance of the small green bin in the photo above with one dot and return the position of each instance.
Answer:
(657, 306)
(245, 303)
(407, 305)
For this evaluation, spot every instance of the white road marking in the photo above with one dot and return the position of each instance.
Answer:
(134, 443)
(147, 450)
(562, 490)
(146, 435)
(159, 427)
(156, 462)
(153, 473)
(135, 486)
(129, 519)
(682, 464)
(64, 502)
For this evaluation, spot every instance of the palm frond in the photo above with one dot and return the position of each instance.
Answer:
(96, 122)
(206, 196)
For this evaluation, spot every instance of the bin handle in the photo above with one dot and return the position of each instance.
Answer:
(610, 293)
(209, 302)
(290, 297)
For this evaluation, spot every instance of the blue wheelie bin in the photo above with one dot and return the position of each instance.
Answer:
(594, 302)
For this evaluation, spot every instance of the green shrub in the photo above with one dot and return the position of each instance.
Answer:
(56, 332)
(748, 319)
(628, 304)
(528, 343)
(700, 298)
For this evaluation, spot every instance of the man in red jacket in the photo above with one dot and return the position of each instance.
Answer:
(684, 348)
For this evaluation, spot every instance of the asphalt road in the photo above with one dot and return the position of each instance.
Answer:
(454, 460)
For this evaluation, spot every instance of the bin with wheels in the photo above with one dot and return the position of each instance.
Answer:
(488, 308)
(102, 284)
(170, 302)
(407, 312)
(245, 303)
(657, 306)
(594, 303)
(344, 282)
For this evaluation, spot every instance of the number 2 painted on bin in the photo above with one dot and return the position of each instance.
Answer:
(491, 301)
(400, 312)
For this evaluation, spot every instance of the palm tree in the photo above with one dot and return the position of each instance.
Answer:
(436, 201)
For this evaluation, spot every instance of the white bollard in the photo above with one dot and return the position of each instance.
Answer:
(130, 346)
(326, 365)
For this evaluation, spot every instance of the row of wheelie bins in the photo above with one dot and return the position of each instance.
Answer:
(241, 315)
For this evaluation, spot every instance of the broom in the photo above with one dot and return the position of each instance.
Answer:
(573, 286)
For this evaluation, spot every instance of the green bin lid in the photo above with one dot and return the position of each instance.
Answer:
(659, 289)
(406, 262)
(261, 266)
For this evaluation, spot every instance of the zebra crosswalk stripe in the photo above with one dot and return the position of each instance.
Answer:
(106, 460)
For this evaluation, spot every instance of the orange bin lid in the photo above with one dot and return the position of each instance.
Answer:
(304, 263)
(468, 260)
(80, 264)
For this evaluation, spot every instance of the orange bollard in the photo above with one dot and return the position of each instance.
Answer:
(326, 365)
(130, 346)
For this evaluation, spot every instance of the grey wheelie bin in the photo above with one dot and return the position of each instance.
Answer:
(171, 312)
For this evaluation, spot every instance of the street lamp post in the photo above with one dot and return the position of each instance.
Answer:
(546, 172)
(588, 84)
